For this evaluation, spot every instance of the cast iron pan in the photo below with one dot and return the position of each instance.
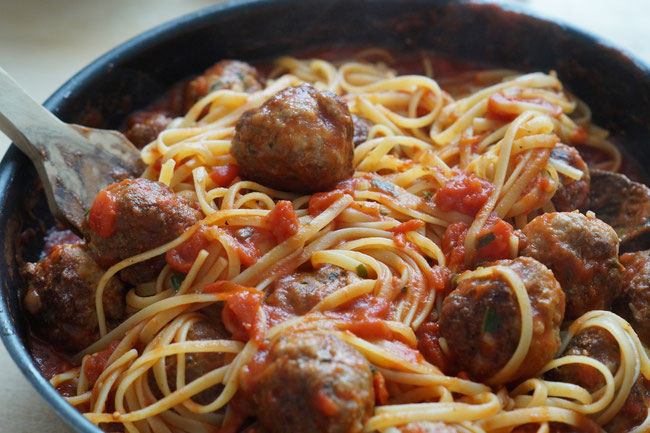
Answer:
(130, 76)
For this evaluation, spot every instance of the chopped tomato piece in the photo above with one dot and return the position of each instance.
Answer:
(322, 200)
(223, 175)
(465, 193)
(244, 241)
(381, 393)
(241, 315)
(428, 335)
(182, 257)
(399, 236)
(282, 221)
(101, 217)
(492, 242)
(96, 363)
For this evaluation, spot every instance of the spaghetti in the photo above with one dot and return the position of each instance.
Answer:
(385, 229)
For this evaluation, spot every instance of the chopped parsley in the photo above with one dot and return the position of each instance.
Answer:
(251, 149)
(404, 289)
(177, 280)
(485, 240)
(362, 271)
(87, 212)
(428, 195)
(490, 321)
(384, 186)
(373, 369)
(383, 212)
(216, 85)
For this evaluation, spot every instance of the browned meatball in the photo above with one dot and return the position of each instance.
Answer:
(624, 205)
(199, 364)
(314, 383)
(481, 320)
(132, 217)
(361, 128)
(61, 297)
(428, 427)
(145, 126)
(599, 344)
(298, 293)
(634, 304)
(582, 252)
(299, 140)
(571, 194)
(226, 74)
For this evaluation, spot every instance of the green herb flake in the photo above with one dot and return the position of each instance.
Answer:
(373, 369)
(404, 289)
(428, 195)
(383, 212)
(490, 321)
(485, 240)
(384, 186)
(177, 280)
(87, 212)
(251, 149)
(362, 271)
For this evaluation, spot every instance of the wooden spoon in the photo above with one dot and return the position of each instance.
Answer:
(73, 162)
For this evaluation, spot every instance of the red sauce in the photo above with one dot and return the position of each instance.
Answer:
(48, 361)
(399, 236)
(101, 217)
(381, 393)
(428, 335)
(96, 363)
(241, 314)
(282, 221)
(182, 257)
(245, 241)
(492, 242)
(322, 200)
(224, 175)
(465, 193)
(505, 107)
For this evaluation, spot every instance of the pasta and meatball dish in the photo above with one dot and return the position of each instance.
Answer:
(356, 246)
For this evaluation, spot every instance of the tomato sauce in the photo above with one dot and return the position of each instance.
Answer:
(399, 236)
(492, 242)
(465, 193)
(282, 221)
(223, 175)
(241, 314)
(182, 257)
(101, 217)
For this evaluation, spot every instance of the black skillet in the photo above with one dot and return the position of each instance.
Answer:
(130, 76)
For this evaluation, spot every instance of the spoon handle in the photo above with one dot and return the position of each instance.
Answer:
(73, 162)
(27, 123)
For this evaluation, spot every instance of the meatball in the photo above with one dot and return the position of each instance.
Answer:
(226, 74)
(634, 304)
(571, 194)
(314, 383)
(623, 204)
(145, 126)
(132, 217)
(361, 128)
(299, 140)
(428, 427)
(481, 320)
(599, 344)
(298, 293)
(582, 252)
(60, 297)
(198, 364)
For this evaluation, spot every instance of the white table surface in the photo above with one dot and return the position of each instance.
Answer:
(44, 42)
